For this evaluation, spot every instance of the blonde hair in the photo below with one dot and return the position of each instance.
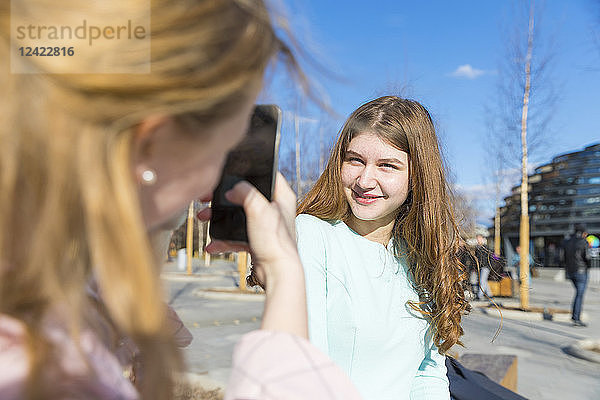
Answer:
(425, 222)
(68, 201)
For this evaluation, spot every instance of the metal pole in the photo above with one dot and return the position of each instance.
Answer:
(199, 235)
(189, 240)
(207, 254)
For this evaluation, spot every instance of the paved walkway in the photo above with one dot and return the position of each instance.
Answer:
(545, 370)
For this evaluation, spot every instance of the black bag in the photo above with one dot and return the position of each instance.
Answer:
(466, 384)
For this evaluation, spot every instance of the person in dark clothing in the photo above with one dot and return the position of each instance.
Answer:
(577, 265)
(481, 264)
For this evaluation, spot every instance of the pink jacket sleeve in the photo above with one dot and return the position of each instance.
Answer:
(271, 365)
(13, 359)
(84, 371)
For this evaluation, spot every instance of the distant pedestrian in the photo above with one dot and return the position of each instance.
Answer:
(483, 255)
(467, 258)
(577, 265)
(516, 262)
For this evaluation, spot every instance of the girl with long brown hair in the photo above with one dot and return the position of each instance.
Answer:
(94, 165)
(378, 241)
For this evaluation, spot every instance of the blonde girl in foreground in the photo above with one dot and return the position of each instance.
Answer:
(94, 166)
(378, 242)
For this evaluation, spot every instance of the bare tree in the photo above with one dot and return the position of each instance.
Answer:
(499, 175)
(304, 148)
(519, 119)
(465, 213)
(315, 145)
(297, 142)
(524, 227)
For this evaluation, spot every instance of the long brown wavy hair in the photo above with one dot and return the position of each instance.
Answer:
(69, 204)
(425, 231)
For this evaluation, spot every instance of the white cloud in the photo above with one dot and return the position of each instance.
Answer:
(477, 192)
(467, 71)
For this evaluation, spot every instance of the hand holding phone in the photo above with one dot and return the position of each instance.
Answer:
(253, 160)
(274, 254)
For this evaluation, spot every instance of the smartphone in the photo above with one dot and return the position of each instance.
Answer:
(254, 160)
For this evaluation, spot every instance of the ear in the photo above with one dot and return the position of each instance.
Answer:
(148, 136)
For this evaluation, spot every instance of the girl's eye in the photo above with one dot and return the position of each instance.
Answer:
(355, 160)
(390, 166)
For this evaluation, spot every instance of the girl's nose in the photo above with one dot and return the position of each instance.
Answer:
(366, 179)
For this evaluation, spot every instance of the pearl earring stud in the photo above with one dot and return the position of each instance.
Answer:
(148, 177)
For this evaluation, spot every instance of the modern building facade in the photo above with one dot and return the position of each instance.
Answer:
(562, 193)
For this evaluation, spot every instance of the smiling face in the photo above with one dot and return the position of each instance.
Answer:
(375, 177)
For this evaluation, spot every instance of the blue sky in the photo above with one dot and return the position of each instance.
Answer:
(445, 55)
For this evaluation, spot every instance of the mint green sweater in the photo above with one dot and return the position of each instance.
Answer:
(357, 294)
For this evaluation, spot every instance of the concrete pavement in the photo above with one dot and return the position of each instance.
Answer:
(545, 369)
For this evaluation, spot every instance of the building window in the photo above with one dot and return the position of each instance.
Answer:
(592, 190)
(589, 200)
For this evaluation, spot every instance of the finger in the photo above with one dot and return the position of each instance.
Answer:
(238, 193)
(284, 195)
(246, 195)
(285, 198)
(283, 191)
(221, 246)
(204, 215)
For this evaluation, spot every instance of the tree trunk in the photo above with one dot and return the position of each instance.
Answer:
(497, 239)
(497, 230)
(524, 229)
